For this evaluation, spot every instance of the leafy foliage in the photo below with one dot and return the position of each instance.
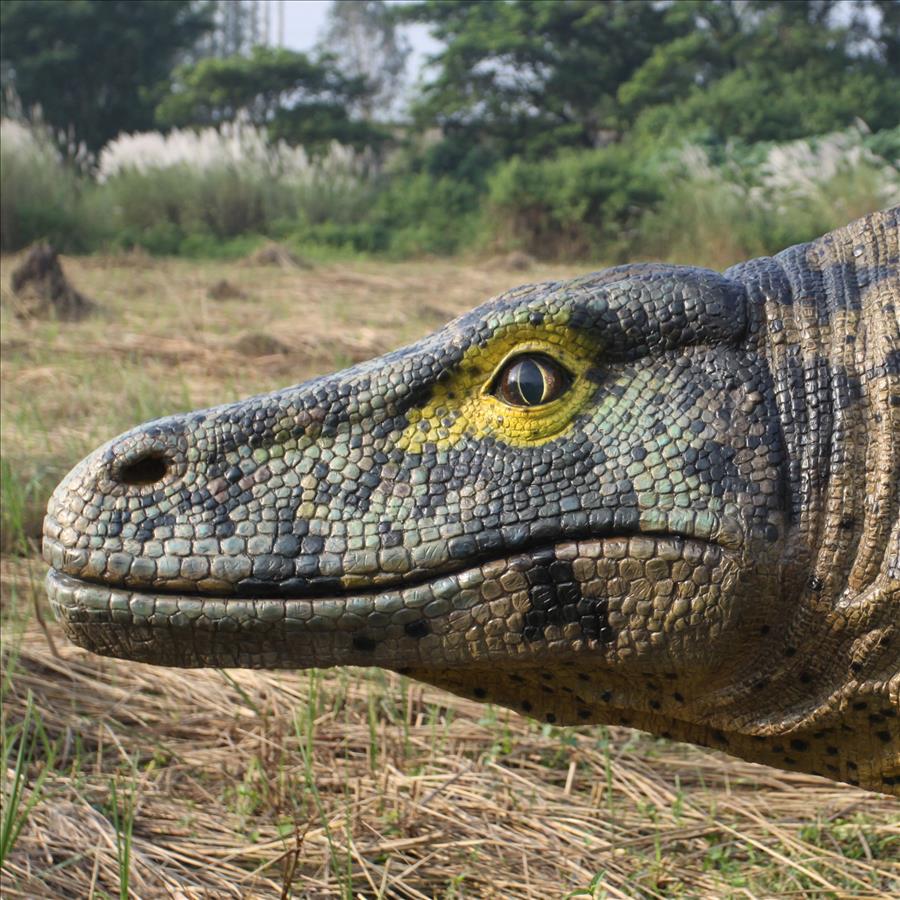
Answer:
(95, 68)
(575, 128)
(521, 77)
(577, 204)
(299, 99)
(774, 71)
(525, 77)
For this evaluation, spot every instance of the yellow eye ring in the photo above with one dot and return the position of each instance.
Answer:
(530, 380)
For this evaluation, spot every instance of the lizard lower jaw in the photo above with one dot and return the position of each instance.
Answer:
(553, 598)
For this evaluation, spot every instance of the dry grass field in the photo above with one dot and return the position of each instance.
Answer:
(125, 780)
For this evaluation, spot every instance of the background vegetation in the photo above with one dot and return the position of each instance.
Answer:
(705, 130)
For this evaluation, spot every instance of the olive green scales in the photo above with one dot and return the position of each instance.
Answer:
(655, 496)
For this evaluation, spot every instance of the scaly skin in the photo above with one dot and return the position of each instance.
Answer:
(699, 537)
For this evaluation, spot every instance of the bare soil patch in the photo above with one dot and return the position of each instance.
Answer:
(225, 290)
(257, 344)
(277, 255)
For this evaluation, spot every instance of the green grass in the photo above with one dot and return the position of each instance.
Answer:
(121, 812)
(23, 743)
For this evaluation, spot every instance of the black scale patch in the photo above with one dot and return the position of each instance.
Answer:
(556, 599)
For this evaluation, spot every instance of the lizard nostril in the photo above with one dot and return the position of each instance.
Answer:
(146, 469)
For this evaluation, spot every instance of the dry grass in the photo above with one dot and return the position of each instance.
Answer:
(344, 783)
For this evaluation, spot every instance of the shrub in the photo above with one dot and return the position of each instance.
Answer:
(41, 196)
(419, 214)
(404, 215)
(577, 204)
(758, 199)
(225, 183)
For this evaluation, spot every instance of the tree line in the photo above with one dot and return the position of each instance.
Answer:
(512, 77)
(554, 115)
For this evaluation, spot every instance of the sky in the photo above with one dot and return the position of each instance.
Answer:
(304, 21)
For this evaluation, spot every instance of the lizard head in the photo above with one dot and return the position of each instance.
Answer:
(567, 501)
(655, 496)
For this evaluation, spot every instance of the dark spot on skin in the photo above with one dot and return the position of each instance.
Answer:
(418, 629)
(852, 765)
(860, 705)
(884, 736)
(584, 713)
(556, 600)
(765, 629)
(480, 693)
(606, 696)
(550, 717)
(363, 643)
(799, 745)
(678, 697)
(655, 704)
(526, 705)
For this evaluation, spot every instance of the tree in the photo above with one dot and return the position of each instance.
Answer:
(237, 29)
(363, 34)
(525, 77)
(297, 98)
(96, 67)
(766, 71)
(520, 76)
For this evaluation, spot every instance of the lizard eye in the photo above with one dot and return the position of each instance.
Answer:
(531, 379)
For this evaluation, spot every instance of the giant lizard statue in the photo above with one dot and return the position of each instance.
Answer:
(654, 496)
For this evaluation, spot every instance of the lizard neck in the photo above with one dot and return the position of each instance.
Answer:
(827, 321)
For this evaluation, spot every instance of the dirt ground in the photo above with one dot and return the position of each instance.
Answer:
(125, 780)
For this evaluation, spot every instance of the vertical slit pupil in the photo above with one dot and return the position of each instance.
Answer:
(529, 380)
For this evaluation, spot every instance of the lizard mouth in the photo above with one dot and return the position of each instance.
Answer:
(529, 600)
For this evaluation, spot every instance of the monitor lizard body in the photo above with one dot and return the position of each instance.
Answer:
(656, 496)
